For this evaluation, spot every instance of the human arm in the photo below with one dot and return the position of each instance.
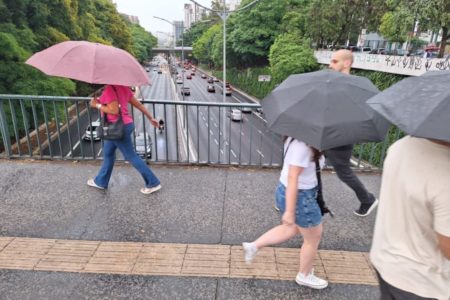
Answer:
(142, 108)
(291, 194)
(111, 108)
(444, 245)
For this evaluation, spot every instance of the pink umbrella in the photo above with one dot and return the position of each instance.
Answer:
(90, 62)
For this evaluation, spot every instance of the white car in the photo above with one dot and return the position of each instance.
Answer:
(144, 145)
(236, 115)
(246, 110)
(179, 81)
(87, 135)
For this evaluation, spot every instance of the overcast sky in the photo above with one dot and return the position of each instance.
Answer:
(172, 10)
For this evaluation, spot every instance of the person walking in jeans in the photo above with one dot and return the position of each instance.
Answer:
(295, 197)
(112, 99)
(339, 158)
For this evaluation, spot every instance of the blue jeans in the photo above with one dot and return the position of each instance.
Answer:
(307, 211)
(126, 147)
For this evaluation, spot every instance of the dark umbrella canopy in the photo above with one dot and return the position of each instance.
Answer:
(420, 106)
(325, 109)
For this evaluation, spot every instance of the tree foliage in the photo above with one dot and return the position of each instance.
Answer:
(28, 26)
(291, 55)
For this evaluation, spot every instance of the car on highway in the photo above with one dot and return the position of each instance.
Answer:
(246, 110)
(192, 73)
(87, 135)
(204, 76)
(179, 80)
(144, 145)
(210, 88)
(236, 115)
(227, 91)
(210, 80)
(215, 79)
(188, 77)
(155, 70)
(159, 71)
(185, 91)
(147, 69)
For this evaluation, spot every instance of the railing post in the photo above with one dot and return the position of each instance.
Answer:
(5, 131)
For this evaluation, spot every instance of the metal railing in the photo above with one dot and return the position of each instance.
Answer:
(63, 128)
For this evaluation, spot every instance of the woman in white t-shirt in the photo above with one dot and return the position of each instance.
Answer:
(296, 199)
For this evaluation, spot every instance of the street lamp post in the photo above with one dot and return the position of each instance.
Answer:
(224, 14)
(174, 43)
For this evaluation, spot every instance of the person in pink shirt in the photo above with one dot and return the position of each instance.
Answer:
(113, 98)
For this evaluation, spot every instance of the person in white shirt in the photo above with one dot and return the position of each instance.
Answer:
(411, 243)
(296, 199)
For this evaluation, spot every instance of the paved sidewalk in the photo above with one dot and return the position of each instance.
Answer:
(177, 260)
(64, 240)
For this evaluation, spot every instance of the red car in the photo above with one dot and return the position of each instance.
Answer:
(189, 76)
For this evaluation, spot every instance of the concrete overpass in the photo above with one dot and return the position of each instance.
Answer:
(187, 50)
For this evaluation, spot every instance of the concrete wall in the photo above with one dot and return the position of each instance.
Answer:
(404, 65)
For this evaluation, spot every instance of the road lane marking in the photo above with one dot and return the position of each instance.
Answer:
(215, 124)
(99, 152)
(210, 131)
(260, 153)
(73, 149)
(217, 143)
(221, 151)
(259, 131)
(242, 133)
(232, 152)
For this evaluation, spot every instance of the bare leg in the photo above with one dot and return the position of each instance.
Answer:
(277, 235)
(311, 240)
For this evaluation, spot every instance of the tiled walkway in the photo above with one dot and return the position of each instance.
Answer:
(177, 260)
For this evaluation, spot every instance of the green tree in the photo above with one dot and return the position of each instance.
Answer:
(395, 25)
(202, 48)
(291, 55)
(255, 29)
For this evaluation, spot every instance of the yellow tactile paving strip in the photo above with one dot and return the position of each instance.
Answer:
(177, 260)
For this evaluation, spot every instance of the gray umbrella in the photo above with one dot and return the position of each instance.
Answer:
(420, 106)
(325, 109)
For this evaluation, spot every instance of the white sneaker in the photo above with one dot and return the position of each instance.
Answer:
(310, 280)
(92, 183)
(250, 251)
(150, 190)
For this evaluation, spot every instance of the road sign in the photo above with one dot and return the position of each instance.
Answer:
(264, 78)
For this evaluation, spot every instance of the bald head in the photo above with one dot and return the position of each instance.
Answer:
(342, 61)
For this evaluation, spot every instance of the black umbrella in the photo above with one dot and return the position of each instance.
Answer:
(420, 106)
(325, 109)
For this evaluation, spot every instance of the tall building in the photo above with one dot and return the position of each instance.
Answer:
(132, 19)
(192, 14)
(231, 4)
(188, 15)
(178, 29)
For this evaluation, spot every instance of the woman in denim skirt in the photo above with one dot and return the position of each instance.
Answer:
(113, 98)
(295, 197)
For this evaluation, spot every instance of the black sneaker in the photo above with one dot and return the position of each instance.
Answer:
(365, 209)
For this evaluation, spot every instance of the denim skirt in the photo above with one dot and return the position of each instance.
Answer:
(307, 211)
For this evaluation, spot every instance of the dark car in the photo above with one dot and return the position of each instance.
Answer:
(210, 88)
(210, 80)
(185, 91)
(188, 77)
(159, 71)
